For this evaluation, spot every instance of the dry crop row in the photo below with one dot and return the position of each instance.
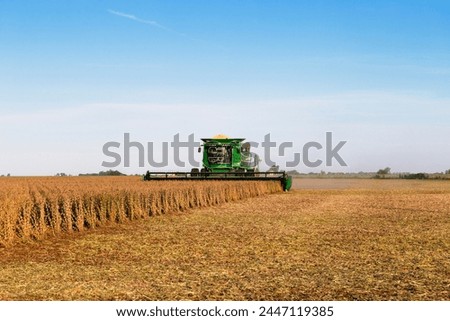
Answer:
(31, 208)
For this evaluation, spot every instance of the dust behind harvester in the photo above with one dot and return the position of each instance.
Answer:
(225, 159)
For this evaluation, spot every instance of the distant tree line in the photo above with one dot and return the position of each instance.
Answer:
(386, 173)
(104, 173)
(414, 176)
(383, 173)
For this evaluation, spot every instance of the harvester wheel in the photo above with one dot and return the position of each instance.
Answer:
(250, 172)
(194, 172)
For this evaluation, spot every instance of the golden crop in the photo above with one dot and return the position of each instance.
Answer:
(31, 208)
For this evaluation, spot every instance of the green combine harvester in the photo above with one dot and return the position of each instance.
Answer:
(226, 159)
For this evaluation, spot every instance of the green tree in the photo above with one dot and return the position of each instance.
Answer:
(384, 171)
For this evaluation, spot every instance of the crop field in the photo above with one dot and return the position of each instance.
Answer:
(326, 240)
(32, 208)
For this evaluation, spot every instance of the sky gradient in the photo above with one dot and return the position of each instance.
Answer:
(77, 74)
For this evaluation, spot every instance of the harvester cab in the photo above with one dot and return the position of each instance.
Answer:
(225, 155)
(225, 158)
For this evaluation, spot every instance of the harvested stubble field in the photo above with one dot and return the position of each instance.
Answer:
(366, 240)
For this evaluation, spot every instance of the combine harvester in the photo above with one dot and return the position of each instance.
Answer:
(226, 159)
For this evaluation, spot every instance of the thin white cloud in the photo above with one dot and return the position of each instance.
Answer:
(401, 106)
(147, 22)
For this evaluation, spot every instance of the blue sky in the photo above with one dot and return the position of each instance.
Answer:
(77, 74)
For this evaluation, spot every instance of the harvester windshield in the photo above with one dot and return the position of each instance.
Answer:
(219, 154)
